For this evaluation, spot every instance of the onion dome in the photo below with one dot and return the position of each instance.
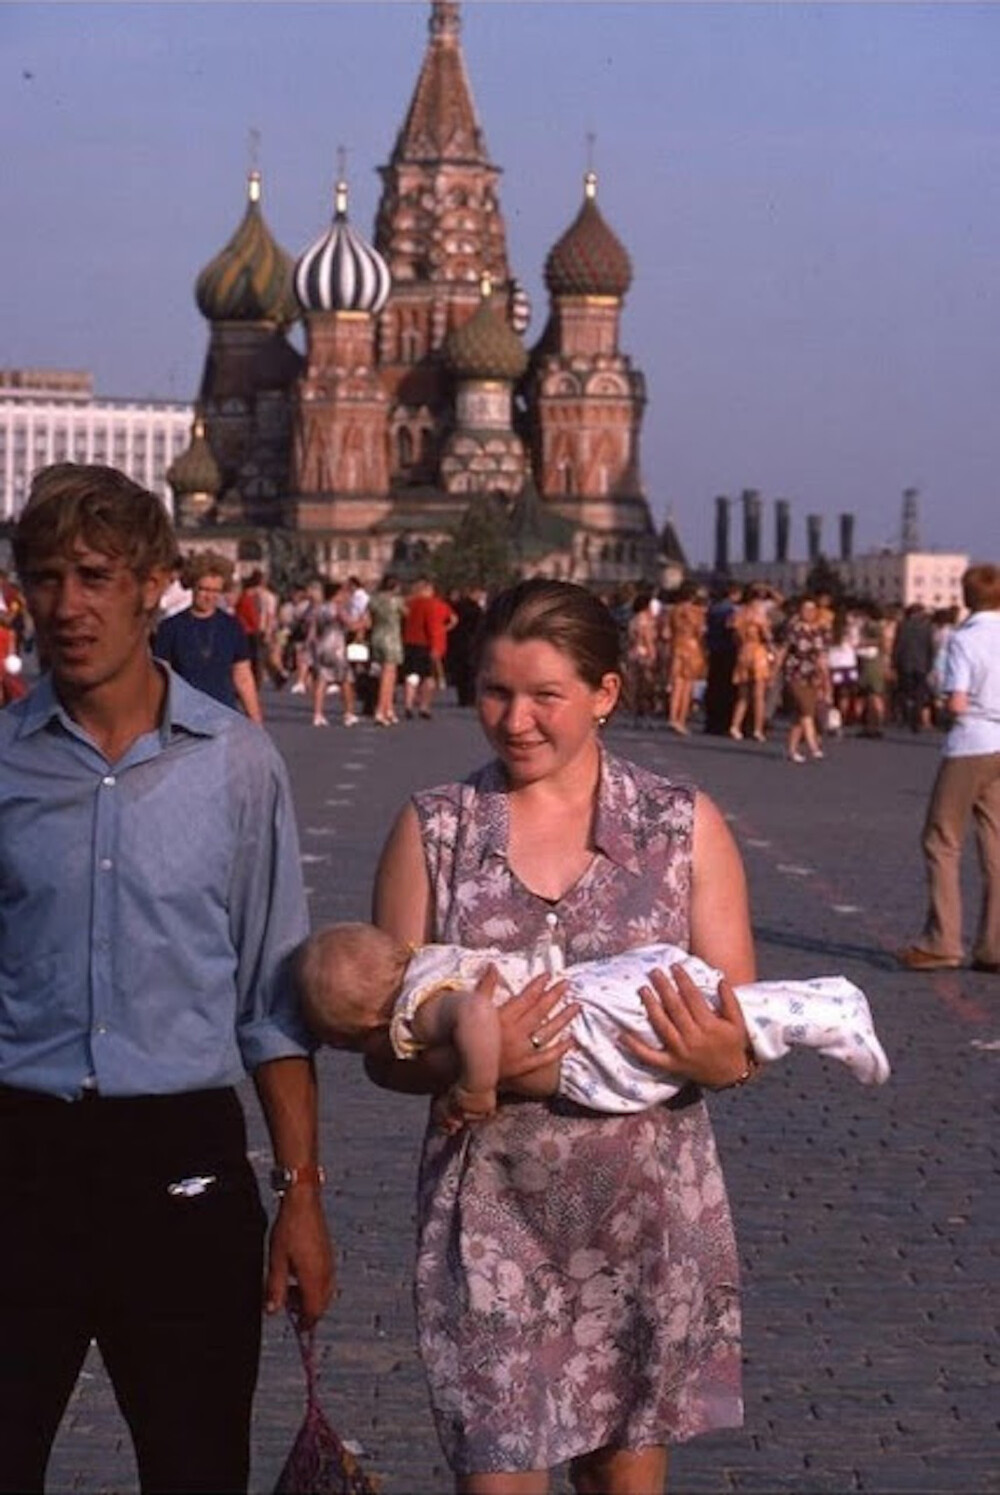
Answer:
(486, 346)
(251, 279)
(589, 260)
(341, 271)
(518, 307)
(195, 470)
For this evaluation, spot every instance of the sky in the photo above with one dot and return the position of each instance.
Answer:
(809, 192)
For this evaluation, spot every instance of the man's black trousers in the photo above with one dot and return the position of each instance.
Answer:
(137, 1223)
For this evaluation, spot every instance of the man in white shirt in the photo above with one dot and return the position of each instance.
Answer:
(967, 783)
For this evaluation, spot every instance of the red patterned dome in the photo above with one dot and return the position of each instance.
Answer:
(589, 260)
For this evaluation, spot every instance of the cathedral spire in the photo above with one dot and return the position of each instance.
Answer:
(442, 124)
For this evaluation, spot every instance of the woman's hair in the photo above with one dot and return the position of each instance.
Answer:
(100, 506)
(562, 614)
(981, 588)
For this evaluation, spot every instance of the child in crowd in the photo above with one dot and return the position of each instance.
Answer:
(357, 981)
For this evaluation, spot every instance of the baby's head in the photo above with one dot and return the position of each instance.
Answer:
(348, 977)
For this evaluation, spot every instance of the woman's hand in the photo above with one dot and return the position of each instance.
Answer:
(533, 1037)
(711, 1048)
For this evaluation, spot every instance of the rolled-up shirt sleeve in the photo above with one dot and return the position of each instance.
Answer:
(268, 918)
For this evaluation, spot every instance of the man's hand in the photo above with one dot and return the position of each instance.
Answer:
(300, 1251)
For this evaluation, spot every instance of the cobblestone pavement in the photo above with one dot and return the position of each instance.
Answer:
(868, 1222)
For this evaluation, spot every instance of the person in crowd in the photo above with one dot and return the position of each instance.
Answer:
(754, 661)
(467, 605)
(177, 594)
(873, 651)
(327, 644)
(806, 678)
(912, 662)
(441, 620)
(418, 663)
(387, 608)
(722, 646)
(358, 982)
(641, 657)
(247, 611)
(12, 686)
(967, 784)
(305, 604)
(206, 645)
(149, 910)
(944, 622)
(842, 664)
(525, 1222)
(687, 655)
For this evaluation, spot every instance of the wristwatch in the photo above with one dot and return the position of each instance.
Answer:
(283, 1178)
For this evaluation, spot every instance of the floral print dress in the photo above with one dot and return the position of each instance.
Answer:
(577, 1280)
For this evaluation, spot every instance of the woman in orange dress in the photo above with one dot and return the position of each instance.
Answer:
(687, 655)
(754, 662)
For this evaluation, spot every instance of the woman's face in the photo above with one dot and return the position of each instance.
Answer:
(536, 712)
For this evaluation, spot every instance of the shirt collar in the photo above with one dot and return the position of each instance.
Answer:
(184, 709)
(614, 834)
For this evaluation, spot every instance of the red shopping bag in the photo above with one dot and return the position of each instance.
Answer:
(319, 1463)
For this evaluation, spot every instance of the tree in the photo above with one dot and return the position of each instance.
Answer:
(479, 554)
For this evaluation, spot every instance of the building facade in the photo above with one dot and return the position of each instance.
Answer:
(52, 415)
(417, 394)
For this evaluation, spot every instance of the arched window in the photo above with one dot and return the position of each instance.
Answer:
(343, 550)
(404, 445)
(364, 550)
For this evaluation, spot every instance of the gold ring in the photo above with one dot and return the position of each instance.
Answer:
(536, 1041)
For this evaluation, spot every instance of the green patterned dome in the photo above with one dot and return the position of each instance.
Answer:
(195, 470)
(589, 260)
(251, 279)
(486, 346)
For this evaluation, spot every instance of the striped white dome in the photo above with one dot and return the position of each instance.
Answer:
(341, 271)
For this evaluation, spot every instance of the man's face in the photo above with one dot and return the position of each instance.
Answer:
(92, 614)
(206, 595)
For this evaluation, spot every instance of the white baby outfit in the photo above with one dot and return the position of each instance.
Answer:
(828, 1013)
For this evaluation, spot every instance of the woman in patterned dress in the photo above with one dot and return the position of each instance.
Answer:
(577, 1280)
(806, 677)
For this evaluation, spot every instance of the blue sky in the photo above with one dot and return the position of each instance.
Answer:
(810, 194)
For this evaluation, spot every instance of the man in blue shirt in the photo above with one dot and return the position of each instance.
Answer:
(150, 893)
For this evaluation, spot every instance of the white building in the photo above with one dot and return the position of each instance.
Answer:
(892, 577)
(52, 415)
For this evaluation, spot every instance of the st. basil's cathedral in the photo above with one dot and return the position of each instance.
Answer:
(416, 395)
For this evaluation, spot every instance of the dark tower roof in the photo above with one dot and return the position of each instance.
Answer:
(195, 470)
(589, 259)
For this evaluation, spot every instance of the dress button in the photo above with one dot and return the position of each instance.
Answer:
(106, 864)
(109, 781)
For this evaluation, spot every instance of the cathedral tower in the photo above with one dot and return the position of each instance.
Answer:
(246, 294)
(587, 401)
(340, 466)
(439, 227)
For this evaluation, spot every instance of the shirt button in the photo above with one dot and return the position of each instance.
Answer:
(109, 781)
(105, 864)
(101, 1028)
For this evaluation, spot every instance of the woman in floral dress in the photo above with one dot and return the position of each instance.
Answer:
(806, 677)
(577, 1282)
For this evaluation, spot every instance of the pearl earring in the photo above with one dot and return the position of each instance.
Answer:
(602, 721)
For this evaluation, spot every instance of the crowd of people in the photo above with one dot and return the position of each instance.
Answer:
(730, 661)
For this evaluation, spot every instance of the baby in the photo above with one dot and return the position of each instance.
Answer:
(357, 981)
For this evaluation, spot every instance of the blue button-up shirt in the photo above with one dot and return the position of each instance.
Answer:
(146, 906)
